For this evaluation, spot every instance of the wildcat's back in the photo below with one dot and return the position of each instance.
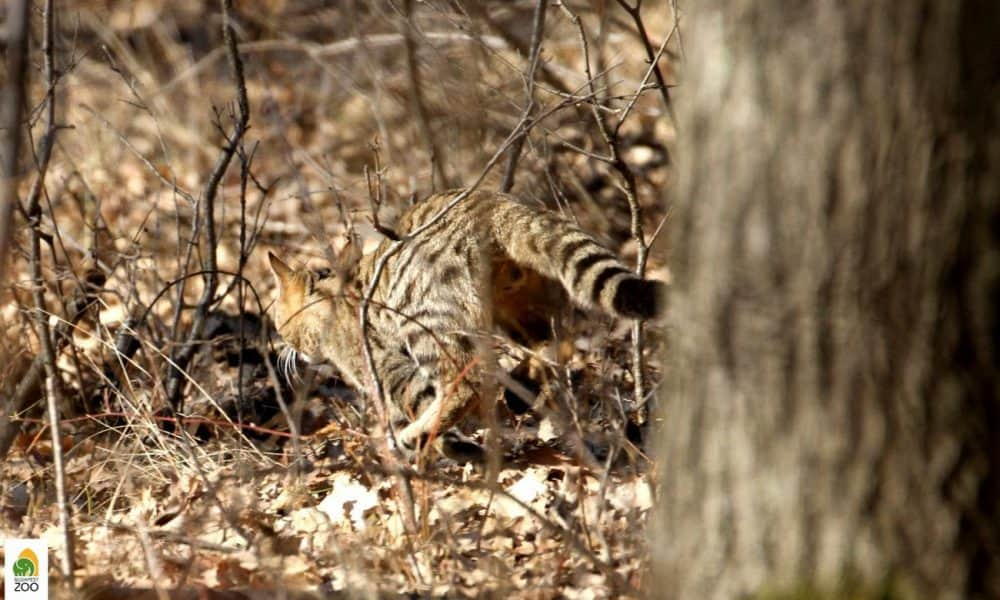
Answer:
(496, 237)
(488, 262)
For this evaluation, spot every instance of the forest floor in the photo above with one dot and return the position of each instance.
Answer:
(261, 485)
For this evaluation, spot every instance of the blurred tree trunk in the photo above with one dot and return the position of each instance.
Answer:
(833, 391)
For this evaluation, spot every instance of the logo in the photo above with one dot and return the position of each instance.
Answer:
(25, 569)
(26, 564)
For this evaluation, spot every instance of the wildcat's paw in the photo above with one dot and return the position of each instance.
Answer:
(452, 444)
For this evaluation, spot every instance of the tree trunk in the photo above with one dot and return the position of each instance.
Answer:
(833, 389)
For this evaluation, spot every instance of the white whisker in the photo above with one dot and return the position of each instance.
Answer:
(288, 365)
(293, 365)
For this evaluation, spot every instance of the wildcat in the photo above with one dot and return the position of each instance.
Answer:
(485, 262)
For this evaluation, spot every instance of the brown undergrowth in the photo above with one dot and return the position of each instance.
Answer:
(242, 480)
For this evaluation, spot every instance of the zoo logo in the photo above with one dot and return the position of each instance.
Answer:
(25, 569)
(26, 564)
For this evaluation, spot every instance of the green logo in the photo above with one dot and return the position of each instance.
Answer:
(26, 564)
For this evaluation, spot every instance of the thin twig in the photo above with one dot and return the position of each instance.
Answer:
(675, 12)
(645, 80)
(438, 158)
(611, 140)
(142, 105)
(618, 584)
(29, 387)
(376, 195)
(153, 563)
(510, 39)
(52, 385)
(651, 55)
(365, 43)
(221, 424)
(172, 537)
(374, 71)
(129, 342)
(172, 184)
(560, 143)
(182, 358)
(537, 34)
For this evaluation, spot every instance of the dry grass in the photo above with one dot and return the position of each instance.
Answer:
(233, 499)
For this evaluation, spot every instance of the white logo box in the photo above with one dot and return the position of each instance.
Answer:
(25, 569)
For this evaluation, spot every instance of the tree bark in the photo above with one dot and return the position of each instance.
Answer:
(827, 418)
(12, 93)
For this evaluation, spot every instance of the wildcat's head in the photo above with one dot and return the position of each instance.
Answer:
(302, 312)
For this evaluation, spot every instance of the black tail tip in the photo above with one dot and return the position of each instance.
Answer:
(641, 298)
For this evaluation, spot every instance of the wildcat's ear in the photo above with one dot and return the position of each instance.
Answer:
(279, 268)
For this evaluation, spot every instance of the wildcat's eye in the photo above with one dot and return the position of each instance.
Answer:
(322, 273)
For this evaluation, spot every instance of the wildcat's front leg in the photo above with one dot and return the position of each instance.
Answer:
(445, 391)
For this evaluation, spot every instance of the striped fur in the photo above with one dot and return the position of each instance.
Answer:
(489, 263)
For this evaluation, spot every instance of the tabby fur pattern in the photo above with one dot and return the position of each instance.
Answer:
(490, 262)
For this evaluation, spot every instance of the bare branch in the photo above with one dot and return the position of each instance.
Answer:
(419, 106)
(537, 33)
(618, 583)
(651, 55)
(172, 184)
(48, 353)
(645, 80)
(30, 385)
(547, 73)
(611, 140)
(209, 193)
(375, 193)
(316, 52)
